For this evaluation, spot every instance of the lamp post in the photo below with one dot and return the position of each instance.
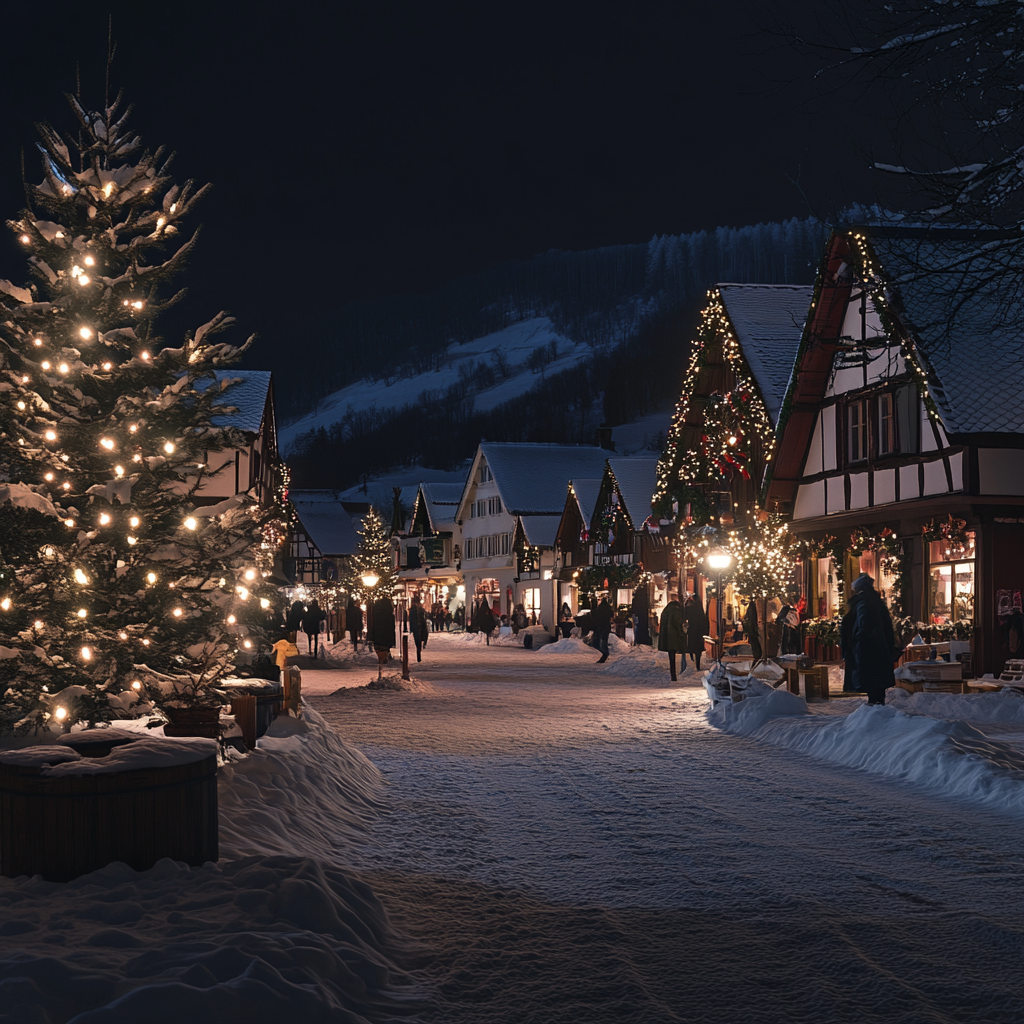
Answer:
(369, 580)
(721, 561)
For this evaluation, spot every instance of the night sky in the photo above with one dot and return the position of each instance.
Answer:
(365, 150)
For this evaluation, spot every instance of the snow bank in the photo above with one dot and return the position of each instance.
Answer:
(1003, 707)
(396, 682)
(644, 663)
(951, 758)
(272, 932)
(568, 645)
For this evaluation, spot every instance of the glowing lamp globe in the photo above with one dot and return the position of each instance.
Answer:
(370, 579)
(719, 559)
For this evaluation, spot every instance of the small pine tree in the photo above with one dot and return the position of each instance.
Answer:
(375, 555)
(114, 583)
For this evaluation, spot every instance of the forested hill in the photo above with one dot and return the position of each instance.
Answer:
(626, 311)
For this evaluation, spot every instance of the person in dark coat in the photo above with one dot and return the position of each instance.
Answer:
(671, 636)
(354, 622)
(418, 625)
(789, 626)
(601, 623)
(751, 631)
(565, 621)
(311, 627)
(293, 621)
(484, 621)
(382, 629)
(641, 608)
(697, 626)
(868, 642)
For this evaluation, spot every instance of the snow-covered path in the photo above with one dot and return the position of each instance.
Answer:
(571, 844)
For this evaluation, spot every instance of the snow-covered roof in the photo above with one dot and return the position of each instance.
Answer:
(587, 492)
(324, 518)
(540, 531)
(636, 479)
(768, 320)
(248, 394)
(441, 502)
(959, 294)
(532, 478)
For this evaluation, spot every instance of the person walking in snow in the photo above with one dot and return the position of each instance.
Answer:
(354, 622)
(418, 625)
(601, 622)
(382, 629)
(868, 642)
(697, 626)
(311, 627)
(293, 622)
(671, 636)
(641, 615)
(484, 621)
(751, 631)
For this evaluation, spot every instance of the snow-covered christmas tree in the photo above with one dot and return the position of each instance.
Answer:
(375, 556)
(115, 583)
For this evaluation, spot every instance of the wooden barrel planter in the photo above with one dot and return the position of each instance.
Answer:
(269, 699)
(192, 721)
(62, 815)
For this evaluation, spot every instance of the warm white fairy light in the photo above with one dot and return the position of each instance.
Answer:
(5, 604)
(38, 342)
(83, 279)
(178, 613)
(264, 603)
(108, 366)
(48, 476)
(250, 574)
(60, 714)
(89, 261)
(82, 613)
(69, 523)
(190, 523)
(145, 643)
(63, 367)
(243, 593)
(21, 406)
(144, 355)
(85, 333)
(45, 364)
(86, 654)
(138, 304)
(107, 443)
(134, 522)
(169, 447)
(104, 519)
(136, 684)
(25, 240)
(151, 577)
(132, 541)
(247, 644)
(136, 457)
(122, 635)
(50, 435)
(80, 577)
(66, 485)
(133, 428)
(231, 620)
(119, 470)
(38, 624)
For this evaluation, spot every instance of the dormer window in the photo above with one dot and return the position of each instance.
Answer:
(485, 474)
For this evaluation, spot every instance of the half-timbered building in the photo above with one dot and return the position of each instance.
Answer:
(901, 441)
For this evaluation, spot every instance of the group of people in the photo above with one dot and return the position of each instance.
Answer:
(682, 629)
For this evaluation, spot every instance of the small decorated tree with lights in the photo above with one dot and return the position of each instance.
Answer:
(375, 557)
(117, 585)
(765, 554)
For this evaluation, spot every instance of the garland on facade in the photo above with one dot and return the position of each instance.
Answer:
(601, 577)
(951, 531)
(731, 422)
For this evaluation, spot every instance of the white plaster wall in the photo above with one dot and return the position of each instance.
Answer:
(885, 486)
(836, 495)
(813, 463)
(810, 500)
(859, 490)
(909, 487)
(828, 438)
(956, 464)
(935, 478)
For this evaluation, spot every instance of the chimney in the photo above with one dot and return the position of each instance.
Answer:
(604, 437)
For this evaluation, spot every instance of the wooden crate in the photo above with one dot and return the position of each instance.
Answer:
(64, 826)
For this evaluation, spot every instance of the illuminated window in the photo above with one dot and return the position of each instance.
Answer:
(951, 579)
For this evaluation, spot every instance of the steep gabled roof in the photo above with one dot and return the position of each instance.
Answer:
(531, 478)
(441, 503)
(586, 492)
(248, 394)
(635, 479)
(540, 531)
(324, 518)
(768, 320)
(960, 297)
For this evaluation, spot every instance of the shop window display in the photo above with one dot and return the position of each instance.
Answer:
(951, 581)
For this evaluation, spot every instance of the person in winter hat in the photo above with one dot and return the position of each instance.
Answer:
(868, 642)
(601, 622)
(418, 625)
(671, 635)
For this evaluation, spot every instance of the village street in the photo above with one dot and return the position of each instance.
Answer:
(572, 844)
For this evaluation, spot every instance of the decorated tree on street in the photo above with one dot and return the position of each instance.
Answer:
(374, 556)
(115, 583)
(765, 553)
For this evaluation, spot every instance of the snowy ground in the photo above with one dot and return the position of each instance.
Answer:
(531, 837)
(577, 842)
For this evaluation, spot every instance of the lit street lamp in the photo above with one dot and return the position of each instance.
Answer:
(370, 579)
(721, 561)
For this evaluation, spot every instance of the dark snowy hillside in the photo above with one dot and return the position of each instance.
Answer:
(543, 350)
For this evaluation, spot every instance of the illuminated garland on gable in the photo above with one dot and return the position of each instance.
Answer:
(730, 423)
